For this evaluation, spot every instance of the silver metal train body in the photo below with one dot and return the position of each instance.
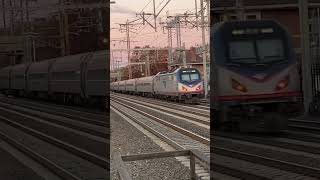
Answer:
(78, 78)
(255, 78)
(184, 84)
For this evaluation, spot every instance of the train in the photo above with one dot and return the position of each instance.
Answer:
(255, 80)
(181, 85)
(77, 79)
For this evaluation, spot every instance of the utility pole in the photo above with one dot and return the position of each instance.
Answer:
(148, 64)
(240, 10)
(184, 55)
(11, 18)
(128, 47)
(169, 29)
(208, 14)
(21, 16)
(118, 70)
(305, 46)
(66, 32)
(196, 6)
(154, 15)
(64, 29)
(204, 51)
(176, 23)
(33, 50)
(4, 13)
(113, 60)
(178, 31)
(27, 15)
(127, 27)
(62, 37)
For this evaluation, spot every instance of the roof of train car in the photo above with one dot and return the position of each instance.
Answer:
(145, 78)
(121, 82)
(19, 67)
(41, 66)
(130, 80)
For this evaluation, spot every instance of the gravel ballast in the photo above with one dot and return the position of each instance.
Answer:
(128, 140)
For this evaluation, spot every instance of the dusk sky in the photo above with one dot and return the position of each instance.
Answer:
(126, 9)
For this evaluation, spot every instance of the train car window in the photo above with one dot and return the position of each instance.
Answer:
(185, 77)
(270, 50)
(190, 76)
(242, 51)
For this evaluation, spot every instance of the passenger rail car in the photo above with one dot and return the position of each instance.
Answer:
(254, 76)
(79, 79)
(183, 84)
(145, 86)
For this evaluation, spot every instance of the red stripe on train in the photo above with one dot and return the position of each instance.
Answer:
(259, 96)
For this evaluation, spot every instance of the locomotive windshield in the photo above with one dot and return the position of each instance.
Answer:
(270, 50)
(190, 75)
(262, 51)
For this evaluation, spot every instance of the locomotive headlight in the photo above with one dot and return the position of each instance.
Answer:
(238, 86)
(198, 88)
(283, 83)
(184, 88)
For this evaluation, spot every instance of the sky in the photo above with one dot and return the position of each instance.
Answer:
(126, 9)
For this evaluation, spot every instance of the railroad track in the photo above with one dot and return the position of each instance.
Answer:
(57, 108)
(184, 112)
(282, 157)
(251, 166)
(201, 110)
(172, 135)
(68, 146)
(304, 124)
(252, 156)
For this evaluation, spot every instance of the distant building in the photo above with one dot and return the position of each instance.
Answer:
(146, 62)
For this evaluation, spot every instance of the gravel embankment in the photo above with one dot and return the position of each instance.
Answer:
(127, 140)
